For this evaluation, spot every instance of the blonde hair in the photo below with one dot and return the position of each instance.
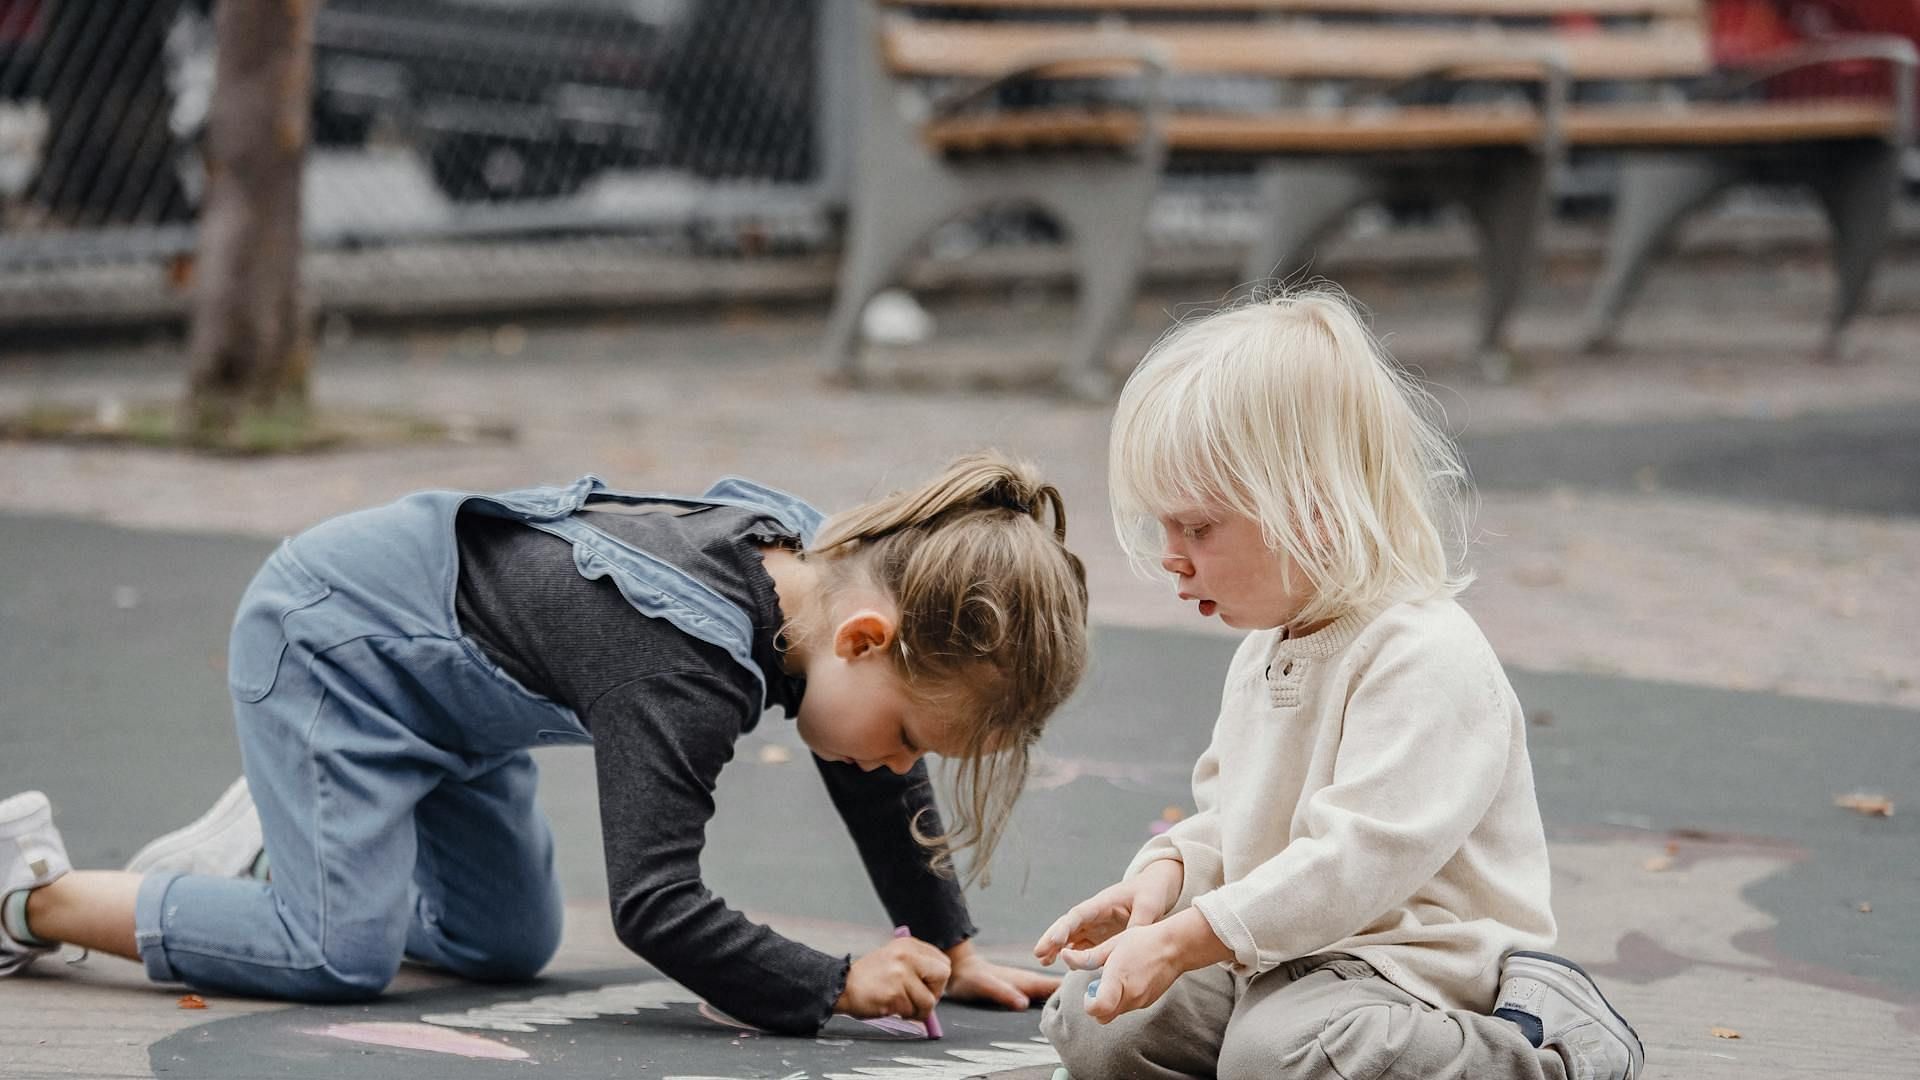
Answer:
(1287, 411)
(992, 620)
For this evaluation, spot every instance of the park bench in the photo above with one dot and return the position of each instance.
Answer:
(1077, 105)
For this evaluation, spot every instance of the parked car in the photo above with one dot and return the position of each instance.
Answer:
(506, 98)
(514, 99)
(20, 32)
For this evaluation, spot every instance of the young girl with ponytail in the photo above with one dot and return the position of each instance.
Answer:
(391, 669)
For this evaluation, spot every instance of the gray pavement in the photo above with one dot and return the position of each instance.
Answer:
(1700, 563)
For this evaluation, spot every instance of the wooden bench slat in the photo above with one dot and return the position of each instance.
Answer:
(983, 50)
(1728, 123)
(1416, 127)
(1471, 8)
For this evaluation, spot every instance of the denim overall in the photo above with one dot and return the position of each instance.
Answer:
(388, 756)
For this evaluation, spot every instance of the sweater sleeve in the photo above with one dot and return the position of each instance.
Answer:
(659, 745)
(1423, 748)
(880, 809)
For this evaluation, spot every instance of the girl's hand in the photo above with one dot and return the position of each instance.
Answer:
(1137, 966)
(904, 977)
(1139, 901)
(977, 979)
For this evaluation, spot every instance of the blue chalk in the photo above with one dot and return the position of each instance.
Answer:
(1093, 987)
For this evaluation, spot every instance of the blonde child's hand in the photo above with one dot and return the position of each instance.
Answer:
(977, 979)
(904, 977)
(1139, 901)
(1138, 965)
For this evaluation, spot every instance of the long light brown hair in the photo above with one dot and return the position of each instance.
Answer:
(992, 621)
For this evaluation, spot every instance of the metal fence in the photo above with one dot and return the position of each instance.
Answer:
(467, 137)
(432, 120)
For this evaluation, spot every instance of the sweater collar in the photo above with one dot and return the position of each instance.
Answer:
(1326, 641)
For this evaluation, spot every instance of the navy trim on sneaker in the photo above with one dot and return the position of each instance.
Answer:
(1564, 962)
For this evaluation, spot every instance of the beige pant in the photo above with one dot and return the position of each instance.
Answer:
(1329, 1016)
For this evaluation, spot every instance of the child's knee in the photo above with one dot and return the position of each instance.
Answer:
(1359, 1042)
(341, 981)
(512, 950)
(515, 960)
(1087, 1047)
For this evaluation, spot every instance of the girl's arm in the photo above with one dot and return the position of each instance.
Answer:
(659, 745)
(880, 808)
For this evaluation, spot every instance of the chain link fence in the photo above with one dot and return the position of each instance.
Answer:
(494, 149)
(441, 130)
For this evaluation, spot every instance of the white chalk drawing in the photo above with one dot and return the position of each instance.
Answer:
(550, 1009)
(554, 1009)
(970, 1063)
(958, 1065)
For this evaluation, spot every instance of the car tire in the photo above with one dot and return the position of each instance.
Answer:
(475, 168)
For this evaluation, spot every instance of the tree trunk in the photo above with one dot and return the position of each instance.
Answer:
(249, 345)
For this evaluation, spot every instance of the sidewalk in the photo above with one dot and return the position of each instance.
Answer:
(1700, 559)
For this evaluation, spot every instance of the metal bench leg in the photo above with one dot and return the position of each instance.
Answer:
(1508, 207)
(1303, 202)
(1108, 220)
(1656, 191)
(1857, 187)
(882, 230)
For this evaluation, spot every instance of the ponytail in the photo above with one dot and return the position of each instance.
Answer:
(992, 619)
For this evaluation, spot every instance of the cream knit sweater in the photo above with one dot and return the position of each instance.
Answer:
(1368, 791)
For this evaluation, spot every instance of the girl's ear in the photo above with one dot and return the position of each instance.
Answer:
(862, 633)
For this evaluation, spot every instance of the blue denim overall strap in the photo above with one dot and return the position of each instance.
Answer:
(653, 586)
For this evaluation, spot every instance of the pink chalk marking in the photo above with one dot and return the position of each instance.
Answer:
(897, 1025)
(724, 1020)
(891, 1026)
(428, 1037)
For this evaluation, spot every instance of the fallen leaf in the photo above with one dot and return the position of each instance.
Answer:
(1865, 908)
(1658, 863)
(775, 755)
(193, 1001)
(1870, 805)
(1725, 1033)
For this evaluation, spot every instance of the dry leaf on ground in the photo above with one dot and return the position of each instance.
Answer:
(1725, 1033)
(1657, 864)
(1870, 805)
(193, 1001)
(775, 755)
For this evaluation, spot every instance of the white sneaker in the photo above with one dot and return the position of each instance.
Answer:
(223, 842)
(1555, 1002)
(31, 855)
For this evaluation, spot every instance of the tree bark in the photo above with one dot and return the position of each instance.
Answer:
(249, 345)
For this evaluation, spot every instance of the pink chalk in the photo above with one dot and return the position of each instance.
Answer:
(933, 1022)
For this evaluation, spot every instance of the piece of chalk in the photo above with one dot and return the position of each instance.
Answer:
(933, 1022)
(1093, 987)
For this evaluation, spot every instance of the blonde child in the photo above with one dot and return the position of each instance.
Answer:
(390, 670)
(1367, 848)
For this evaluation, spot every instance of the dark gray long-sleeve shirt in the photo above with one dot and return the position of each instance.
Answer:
(665, 710)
